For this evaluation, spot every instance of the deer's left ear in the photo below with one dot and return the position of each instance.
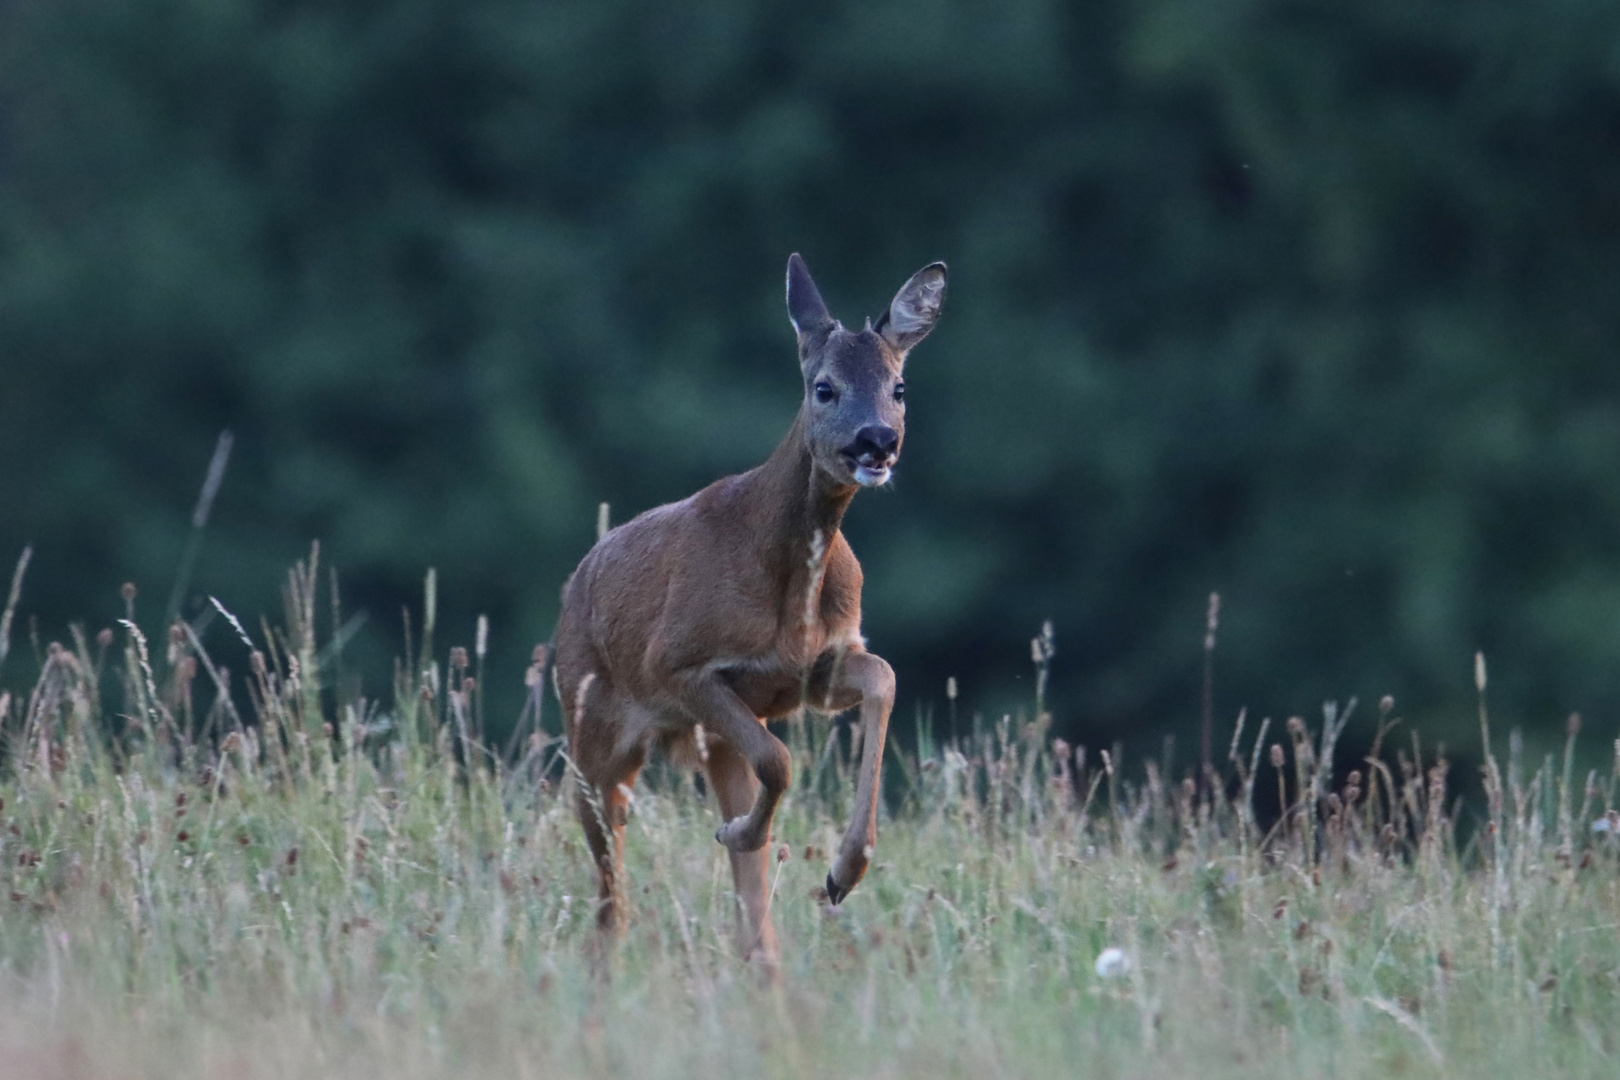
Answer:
(915, 308)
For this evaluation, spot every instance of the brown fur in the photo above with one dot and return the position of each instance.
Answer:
(740, 604)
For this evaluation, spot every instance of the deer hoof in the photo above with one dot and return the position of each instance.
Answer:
(734, 836)
(835, 892)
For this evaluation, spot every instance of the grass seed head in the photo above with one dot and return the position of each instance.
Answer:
(1112, 963)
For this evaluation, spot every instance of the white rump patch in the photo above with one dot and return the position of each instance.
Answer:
(579, 698)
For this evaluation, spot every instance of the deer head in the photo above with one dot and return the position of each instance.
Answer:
(854, 391)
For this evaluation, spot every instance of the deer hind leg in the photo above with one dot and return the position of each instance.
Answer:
(871, 678)
(602, 800)
(603, 811)
(737, 790)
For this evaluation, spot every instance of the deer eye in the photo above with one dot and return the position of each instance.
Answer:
(899, 391)
(825, 392)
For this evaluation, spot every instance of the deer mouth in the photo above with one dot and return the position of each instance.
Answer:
(869, 473)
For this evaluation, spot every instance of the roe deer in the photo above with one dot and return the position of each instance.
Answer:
(743, 603)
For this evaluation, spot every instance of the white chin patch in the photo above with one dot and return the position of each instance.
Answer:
(871, 477)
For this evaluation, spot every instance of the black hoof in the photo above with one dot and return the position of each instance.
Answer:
(835, 895)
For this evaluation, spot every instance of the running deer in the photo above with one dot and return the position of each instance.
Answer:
(687, 628)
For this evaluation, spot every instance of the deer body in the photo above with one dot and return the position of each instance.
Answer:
(742, 603)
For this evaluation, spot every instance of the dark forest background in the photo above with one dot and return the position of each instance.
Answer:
(1311, 303)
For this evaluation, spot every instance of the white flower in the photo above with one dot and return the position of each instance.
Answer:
(1112, 963)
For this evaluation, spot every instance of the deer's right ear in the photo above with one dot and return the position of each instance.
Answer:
(805, 307)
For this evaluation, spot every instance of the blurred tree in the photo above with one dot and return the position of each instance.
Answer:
(1307, 302)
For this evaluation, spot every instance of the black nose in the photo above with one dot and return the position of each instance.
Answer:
(878, 440)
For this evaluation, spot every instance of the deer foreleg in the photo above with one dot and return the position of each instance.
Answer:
(873, 679)
(724, 713)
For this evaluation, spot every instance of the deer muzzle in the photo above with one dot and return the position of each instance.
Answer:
(872, 454)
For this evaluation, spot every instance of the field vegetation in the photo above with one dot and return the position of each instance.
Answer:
(294, 880)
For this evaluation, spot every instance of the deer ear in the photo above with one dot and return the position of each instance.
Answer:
(915, 308)
(805, 307)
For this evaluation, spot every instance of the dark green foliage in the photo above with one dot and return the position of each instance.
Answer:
(1307, 302)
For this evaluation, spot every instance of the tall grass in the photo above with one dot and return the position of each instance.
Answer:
(307, 883)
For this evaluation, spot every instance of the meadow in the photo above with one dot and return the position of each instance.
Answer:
(298, 881)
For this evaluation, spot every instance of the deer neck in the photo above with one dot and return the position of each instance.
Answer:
(807, 505)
